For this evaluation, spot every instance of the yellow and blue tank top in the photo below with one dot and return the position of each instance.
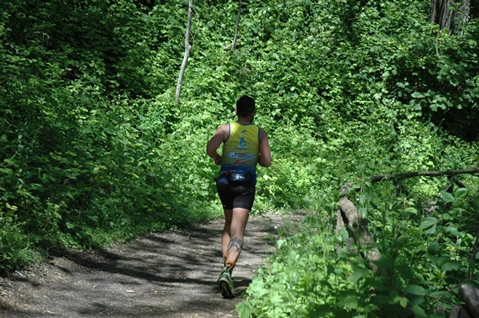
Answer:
(241, 148)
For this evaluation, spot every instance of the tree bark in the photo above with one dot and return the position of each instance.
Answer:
(450, 16)
(187, 53)
(237, 26)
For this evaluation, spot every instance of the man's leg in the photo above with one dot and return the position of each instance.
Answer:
(234, 247)
(234, 228)
(236, 234)
(225, 236)
(225, 239)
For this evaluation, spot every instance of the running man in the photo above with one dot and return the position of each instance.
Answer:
(245, 145)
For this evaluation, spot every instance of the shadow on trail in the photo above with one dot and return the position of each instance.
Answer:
(171, 274)
(156, 259)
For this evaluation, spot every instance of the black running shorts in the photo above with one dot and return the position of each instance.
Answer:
(233, 195)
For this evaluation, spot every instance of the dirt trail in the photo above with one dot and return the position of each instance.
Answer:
(171, 275)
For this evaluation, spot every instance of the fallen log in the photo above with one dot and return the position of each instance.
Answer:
(350, 216)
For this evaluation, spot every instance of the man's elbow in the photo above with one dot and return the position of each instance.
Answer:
(209, 149)
(265, 163)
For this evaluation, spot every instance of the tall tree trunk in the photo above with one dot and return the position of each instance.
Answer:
(187, 53)
(450, 15)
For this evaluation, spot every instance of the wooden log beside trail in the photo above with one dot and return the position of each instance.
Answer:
(349, 215)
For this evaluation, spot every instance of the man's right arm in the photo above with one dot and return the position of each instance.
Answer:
(215, 143)
(264, 151)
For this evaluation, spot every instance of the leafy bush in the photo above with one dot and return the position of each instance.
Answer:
(425, 257)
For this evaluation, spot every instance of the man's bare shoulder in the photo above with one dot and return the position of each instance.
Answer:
(262, 133)
(224, 126)
(223, 130)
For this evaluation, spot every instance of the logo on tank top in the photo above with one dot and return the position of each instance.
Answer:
(242, 142)
(242, 156)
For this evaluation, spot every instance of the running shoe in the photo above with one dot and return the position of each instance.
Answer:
(223, 270)
(226, 284)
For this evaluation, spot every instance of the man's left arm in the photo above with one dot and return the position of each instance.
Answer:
(264, 151)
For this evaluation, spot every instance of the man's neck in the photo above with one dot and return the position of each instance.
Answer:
(244, 121)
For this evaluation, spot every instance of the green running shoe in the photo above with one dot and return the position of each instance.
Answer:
(226, 284)
(223, 270)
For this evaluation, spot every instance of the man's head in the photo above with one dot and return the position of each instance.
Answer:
(245, 106)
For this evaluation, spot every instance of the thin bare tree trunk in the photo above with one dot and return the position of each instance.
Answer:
(237, 26)
(434, 11)
(187, 53)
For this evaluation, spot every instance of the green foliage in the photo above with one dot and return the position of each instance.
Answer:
(82, 160)
(93, 150)
(425, 256)
(15, 249)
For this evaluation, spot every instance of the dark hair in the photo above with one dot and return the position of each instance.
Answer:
(245, 106)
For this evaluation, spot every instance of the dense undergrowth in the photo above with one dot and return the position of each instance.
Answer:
(94, 150)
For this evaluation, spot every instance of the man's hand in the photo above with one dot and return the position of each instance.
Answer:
(218, 160)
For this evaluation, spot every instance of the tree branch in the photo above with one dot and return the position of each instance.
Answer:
(381, 177)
